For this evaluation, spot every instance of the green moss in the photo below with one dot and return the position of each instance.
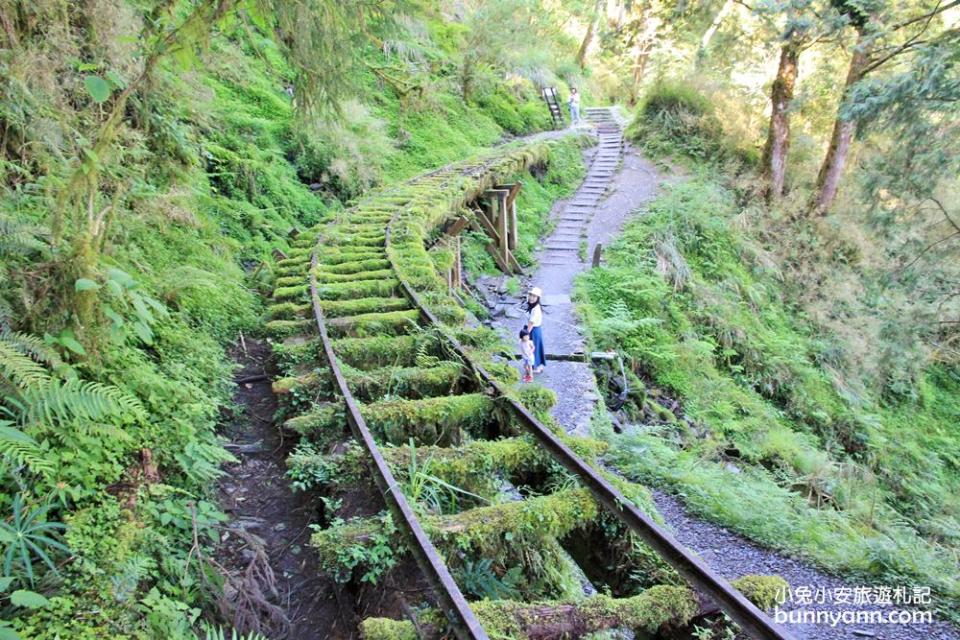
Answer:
(324, 277)
(384, 351)
(440, 420)
(371, 324)
(654, 608)
(764, 591)
(387, 629)
(361, 289)
(337, 308)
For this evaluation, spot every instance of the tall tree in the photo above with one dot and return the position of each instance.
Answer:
(595, 16)
(775, 150)
(805, 25)
(884, 35)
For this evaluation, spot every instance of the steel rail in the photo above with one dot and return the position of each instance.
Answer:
(462, 619)
(694, 570)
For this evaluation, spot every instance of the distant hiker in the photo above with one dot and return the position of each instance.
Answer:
(534, 320)
(527, 354)
(574, 103)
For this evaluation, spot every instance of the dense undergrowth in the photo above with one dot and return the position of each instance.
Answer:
(109, 426)
(790, 443)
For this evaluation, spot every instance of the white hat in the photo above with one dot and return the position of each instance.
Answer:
(536, 292)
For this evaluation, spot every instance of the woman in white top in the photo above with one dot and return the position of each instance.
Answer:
(534, 320)
(574, 102)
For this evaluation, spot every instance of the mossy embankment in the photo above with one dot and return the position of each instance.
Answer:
(213, 168)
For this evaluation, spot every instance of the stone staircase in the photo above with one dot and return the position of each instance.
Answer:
(563, 245)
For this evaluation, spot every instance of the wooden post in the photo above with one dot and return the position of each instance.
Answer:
(499, 215)
(511, 211)
(596, 254)
(513, 225)
(457, 264)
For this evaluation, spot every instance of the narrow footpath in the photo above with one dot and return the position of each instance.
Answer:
(618, 183)
(275, 583)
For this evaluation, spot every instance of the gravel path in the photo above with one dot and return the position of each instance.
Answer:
(728, 553)
(733, 556)
(631, 185)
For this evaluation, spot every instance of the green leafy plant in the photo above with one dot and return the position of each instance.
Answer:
(479, 579)
(26, 537)
(216, 632)
(432, 493)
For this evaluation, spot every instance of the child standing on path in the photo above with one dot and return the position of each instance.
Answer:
(527, 354)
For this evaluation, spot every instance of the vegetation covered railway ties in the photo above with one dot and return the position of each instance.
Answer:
(416, 384)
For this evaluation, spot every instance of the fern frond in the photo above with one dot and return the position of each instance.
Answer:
(60, 402)
(33, 347)
(18, 368)
(6, 312)
(20, 237)
(22, 449)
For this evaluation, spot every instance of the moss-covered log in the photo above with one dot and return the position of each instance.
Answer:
(287, 328)
(404, 382)
(339, 308)
(288, 311)
(371, 324)
(328, 256)
(657, 607)
(325, 277)
(426, 421)
(296, 292)
(483, 529)
(356, 266)
(350, 290)
(385, 351)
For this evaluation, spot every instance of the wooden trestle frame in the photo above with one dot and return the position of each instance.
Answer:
(497, 218)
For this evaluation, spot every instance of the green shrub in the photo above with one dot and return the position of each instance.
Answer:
(676, 118)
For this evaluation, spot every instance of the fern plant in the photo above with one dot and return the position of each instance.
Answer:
(20, 237)
(34, 402)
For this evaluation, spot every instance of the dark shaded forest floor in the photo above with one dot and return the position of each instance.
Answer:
(256, 494)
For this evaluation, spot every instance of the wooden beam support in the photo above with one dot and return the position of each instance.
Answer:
(457, 263)
(457, 225)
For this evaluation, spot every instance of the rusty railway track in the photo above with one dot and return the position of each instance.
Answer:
(362, 258)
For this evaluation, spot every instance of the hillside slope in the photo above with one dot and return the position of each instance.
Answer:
(124, 309)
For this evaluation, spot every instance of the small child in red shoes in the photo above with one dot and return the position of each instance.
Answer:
(526, 352)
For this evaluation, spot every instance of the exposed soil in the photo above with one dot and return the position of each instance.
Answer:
(257, 496)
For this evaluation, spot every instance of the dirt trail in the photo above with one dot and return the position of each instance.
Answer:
(257, 496)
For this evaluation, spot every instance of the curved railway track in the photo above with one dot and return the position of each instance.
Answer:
(414, 384)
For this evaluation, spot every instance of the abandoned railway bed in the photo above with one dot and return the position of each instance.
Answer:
(522, 525)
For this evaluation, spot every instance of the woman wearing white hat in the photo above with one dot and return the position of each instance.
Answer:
(534, 320)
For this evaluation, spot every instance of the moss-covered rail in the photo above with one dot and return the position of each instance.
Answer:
(490, 501)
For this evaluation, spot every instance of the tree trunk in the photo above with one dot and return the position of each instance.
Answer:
(778, 135)
(715, 25)
(646, 31)
(639, 69)
(828, 179)
(588, 36)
